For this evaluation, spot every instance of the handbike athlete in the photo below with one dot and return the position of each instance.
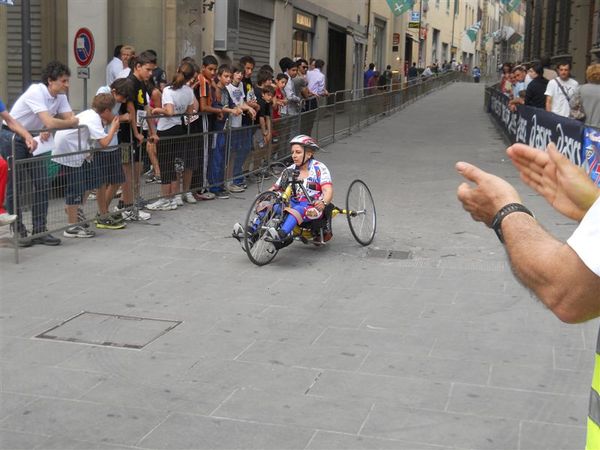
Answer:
(317, 182)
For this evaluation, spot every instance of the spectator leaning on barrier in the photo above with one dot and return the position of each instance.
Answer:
(204, 94)
(565, 277)
(590, 95)
(561, 90)
(222, 101)
(108, 161)
(42, 105)
(518, 87)
(291, 93)
(79, 169)
(138, 109)
(505, 80)
(178, 98)
(5, 217)
(535, 94)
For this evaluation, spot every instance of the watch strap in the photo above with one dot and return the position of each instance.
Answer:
(505, 211)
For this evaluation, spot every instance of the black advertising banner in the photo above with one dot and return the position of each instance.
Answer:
(500, 112)
(537, 128)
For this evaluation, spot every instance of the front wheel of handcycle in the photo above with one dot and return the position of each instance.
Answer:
(266, 211)
(361, 214)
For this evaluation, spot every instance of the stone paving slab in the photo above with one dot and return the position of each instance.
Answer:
(324, 348)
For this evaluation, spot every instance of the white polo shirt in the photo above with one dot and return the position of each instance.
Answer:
(68, 141)
(37, 99)
(585, 240)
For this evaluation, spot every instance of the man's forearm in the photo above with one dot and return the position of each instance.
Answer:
(551, 269)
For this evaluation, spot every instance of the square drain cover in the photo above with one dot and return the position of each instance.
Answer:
(110, 330)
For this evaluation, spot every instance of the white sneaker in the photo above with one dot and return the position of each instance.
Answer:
(174, 204)
(78, 232)
(189, 198)
(234, 188)
(178, 199)
(131, 216)
(162, 204)
(7, 219)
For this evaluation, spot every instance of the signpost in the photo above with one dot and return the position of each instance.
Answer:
(83, 49)
(415, 20)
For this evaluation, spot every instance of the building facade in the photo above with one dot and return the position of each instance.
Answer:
(346, 34)
(564, 30)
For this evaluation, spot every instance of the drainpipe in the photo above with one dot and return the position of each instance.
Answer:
(26, 43)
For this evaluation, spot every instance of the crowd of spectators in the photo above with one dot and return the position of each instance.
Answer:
(137, 129)
(554, 89)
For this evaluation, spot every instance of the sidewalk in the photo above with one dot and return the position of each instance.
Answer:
(324, 348)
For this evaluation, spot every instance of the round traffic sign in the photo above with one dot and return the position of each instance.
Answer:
(83, 47)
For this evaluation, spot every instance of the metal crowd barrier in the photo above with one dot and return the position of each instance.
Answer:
(42, 185)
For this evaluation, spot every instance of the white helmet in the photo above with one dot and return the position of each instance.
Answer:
(306, 141)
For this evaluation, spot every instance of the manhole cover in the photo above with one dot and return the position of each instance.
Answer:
(110, 330)
(388, 254)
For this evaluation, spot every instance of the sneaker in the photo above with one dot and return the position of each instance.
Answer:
(133, 216)
(178, 199)
(78, 232)
(109, 223)
(117, 217)
(118, 193)
(222, 194)
(47, 239)
(189, 198)
(162, 204)
(155, 179)
(200, 196)
(274, 235)
(238, 232)
(7, 219)
(92, 195)
(234, 188)
(174, 203)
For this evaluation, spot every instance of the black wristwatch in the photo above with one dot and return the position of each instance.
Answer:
(505, 211)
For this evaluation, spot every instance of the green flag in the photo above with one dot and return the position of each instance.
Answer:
(473, 30)
(400, 6)
(512, 5)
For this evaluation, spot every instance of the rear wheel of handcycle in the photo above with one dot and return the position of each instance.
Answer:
(266, 211)
(362, 217)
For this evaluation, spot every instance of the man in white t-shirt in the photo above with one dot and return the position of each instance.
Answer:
(561, 90)
(42, 105)
(78, 168)
(564, 276)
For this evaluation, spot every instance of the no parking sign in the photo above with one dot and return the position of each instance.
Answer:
(83, 47)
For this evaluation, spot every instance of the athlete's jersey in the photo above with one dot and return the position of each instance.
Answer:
(318, 176)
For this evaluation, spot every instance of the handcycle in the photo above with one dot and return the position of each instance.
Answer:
(268, 210)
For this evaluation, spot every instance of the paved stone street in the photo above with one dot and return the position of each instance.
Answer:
(325, 348)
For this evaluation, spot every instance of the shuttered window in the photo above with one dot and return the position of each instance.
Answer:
(14, 53)
(255, 38)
